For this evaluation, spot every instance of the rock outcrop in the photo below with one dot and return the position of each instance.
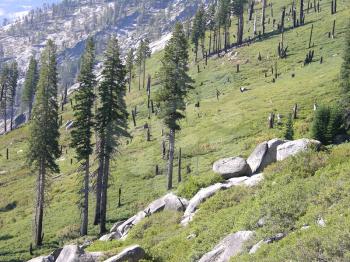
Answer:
(73, 253)
(232, 167)
(167, 202)
(130, 254)
(207, 192)
(292, 148)
(230, 246)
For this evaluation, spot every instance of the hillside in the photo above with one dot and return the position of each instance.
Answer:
(295, 193)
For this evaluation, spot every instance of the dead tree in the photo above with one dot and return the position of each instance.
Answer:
(148, 89)
(302, 15)
(295, 111)
(119, 197)
(7, 154)
(163, 150)
(309, 57)
(133, 114)
(271, 120)
(148, 134)
(263, 15)
(310, 40)
(282, 51)
(251, 10)
(282, 19)
(333, 30)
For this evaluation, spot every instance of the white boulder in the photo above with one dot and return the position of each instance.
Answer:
(292, 148)
(232, 167)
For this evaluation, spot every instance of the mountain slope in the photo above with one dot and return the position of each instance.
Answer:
(232, 125)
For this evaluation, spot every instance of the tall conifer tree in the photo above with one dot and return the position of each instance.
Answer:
(44, 134)
(83, 124)
(30, 84)
(175, 85)
(111, 120)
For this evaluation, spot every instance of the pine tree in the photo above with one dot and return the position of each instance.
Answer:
(4, 80)
(211, 24)
(345, 72)
(238, 10)
(30, 84)
(146, 53)
(83, 124)
(111, 121)
(13, 78)
(198, 30)
(223, 17)
(139, 61)
(130, 65)
(289, 131)
(44, 133)
(175, 85)
(320, 123)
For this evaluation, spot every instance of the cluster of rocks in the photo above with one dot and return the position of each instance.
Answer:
(263, 155)
(74, 253)
(168, 202)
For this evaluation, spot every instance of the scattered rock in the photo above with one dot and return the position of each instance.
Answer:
(275, 238)
(73, 253)
(110, 236)
(207, 192)
(294, 147)
(271, 154)
(167, 202)
(130, 254)
(116, 225)
(261, 222)
(256, 247)
(304, 227)
(191, 236)
(321, 222)
(232, 167)
(257, 157)
(42, 259)
(230, 246)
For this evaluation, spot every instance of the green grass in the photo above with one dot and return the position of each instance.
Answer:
(231, 126)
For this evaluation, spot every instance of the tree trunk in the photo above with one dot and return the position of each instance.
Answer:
(104, 196)
(240, 29)
(209, 43)
(179, 165)
(85, 211)
(11, 114)
(171, 158)
(140, 76)
(99, 184)
(130, 75)
(39, 210)
(144, 73)
(263, 15)
(301, 19)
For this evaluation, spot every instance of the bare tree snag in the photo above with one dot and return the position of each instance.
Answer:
(119, 197)
(310, 40)
(295, 111)
(263, 15)
(271, 120)
(333, 30)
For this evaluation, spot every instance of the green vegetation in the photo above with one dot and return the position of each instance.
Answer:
(328, 123)
(301, 189)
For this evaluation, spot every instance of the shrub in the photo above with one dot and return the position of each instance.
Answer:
(327, 124)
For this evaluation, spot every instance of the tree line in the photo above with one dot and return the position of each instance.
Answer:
(99, 109)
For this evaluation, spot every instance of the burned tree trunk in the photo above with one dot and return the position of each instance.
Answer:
(171, 158)
(310, 40)
(295, 111)
(263, 15)
(179, 167)
(302, 15)
(282, 19)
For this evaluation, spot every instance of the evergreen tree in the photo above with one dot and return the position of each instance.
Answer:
(211, 24)
(198, 30)
(143, 52)
(4, 80)
(238, 11)
(30, 84)
(345, 72)
(289, 131)
(83, 124)
(130, 65)
(175, 85)
(111, 122)
(44, 133)
(223, 17)
(146, 53)
(13, 78)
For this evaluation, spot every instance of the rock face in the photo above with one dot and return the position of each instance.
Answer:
(73, 253)
(294, 147)
(232, 167)
(256, 158)
(263, 155)
(167, 202)
(207, 192)
(42, 259)
(130, 254)
(230, 246)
